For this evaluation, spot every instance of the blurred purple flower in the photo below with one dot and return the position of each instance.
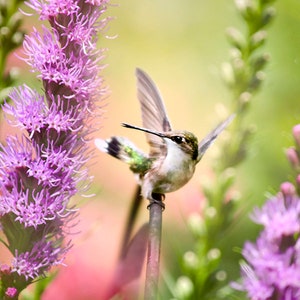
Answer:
(42, 170)
(11, 292)
(272, 270)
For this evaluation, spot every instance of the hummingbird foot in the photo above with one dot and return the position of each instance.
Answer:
(157, 199)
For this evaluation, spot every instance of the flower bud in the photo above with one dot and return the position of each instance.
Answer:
(221, 275)
(184, 287)
(210, 212)
(258, 38)
(296, 134)
(11, 292)
(213, 254)
(191, 260)
(228, 74)
(256, 80)
(228, 176)
(248, 8)
(15, 21)
(4, 32)
(260, 61)
(293, 157)
(268, 15)
(5, 270)
(17, 38)
(245, 98)
(287, 189)
(236, 38)
(196, 224)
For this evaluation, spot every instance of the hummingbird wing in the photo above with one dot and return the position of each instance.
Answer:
(210, 138)
(154, 114)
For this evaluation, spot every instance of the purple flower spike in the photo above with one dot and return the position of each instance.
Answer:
(272, 270)
(43, 169)
(42, 256)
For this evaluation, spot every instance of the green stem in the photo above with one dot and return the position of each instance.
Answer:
(154, 244)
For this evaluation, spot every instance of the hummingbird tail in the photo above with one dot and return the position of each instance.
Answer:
(114, 146)
(126, 151)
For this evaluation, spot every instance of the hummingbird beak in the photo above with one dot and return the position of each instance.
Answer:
(144, 129)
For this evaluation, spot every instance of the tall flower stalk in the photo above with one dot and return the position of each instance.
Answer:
(202, 276)
(45, 167)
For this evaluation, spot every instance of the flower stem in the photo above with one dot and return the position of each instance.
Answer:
(154, 244)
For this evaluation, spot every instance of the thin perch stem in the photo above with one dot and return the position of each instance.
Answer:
(154, 244)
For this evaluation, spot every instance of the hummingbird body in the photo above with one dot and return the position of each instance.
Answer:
(169, 174)
(154, 175)
(173, 171)
(173, 155)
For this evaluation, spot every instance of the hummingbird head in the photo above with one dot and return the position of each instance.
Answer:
(186, 141)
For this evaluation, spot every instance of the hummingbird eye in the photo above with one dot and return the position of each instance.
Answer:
(177, 139)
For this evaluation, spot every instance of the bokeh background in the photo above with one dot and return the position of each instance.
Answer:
(182, 45)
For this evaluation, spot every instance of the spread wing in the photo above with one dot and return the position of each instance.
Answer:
(210, 138)
(154, 114)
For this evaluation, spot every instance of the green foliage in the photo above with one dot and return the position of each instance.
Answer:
(39, 288)
(11, 37)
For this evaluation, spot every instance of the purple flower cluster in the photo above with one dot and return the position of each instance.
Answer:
(42, 170)
(272, 268)
(273, 262)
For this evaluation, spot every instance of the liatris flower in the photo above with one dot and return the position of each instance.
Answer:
(41, 171)
(272, 270)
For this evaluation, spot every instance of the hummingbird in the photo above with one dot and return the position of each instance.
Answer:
(173, 154)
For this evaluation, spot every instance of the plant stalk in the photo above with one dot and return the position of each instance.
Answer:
(154, 245)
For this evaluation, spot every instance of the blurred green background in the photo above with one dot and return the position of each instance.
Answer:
(182, 45)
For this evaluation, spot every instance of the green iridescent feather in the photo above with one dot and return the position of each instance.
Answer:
(139, 163)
